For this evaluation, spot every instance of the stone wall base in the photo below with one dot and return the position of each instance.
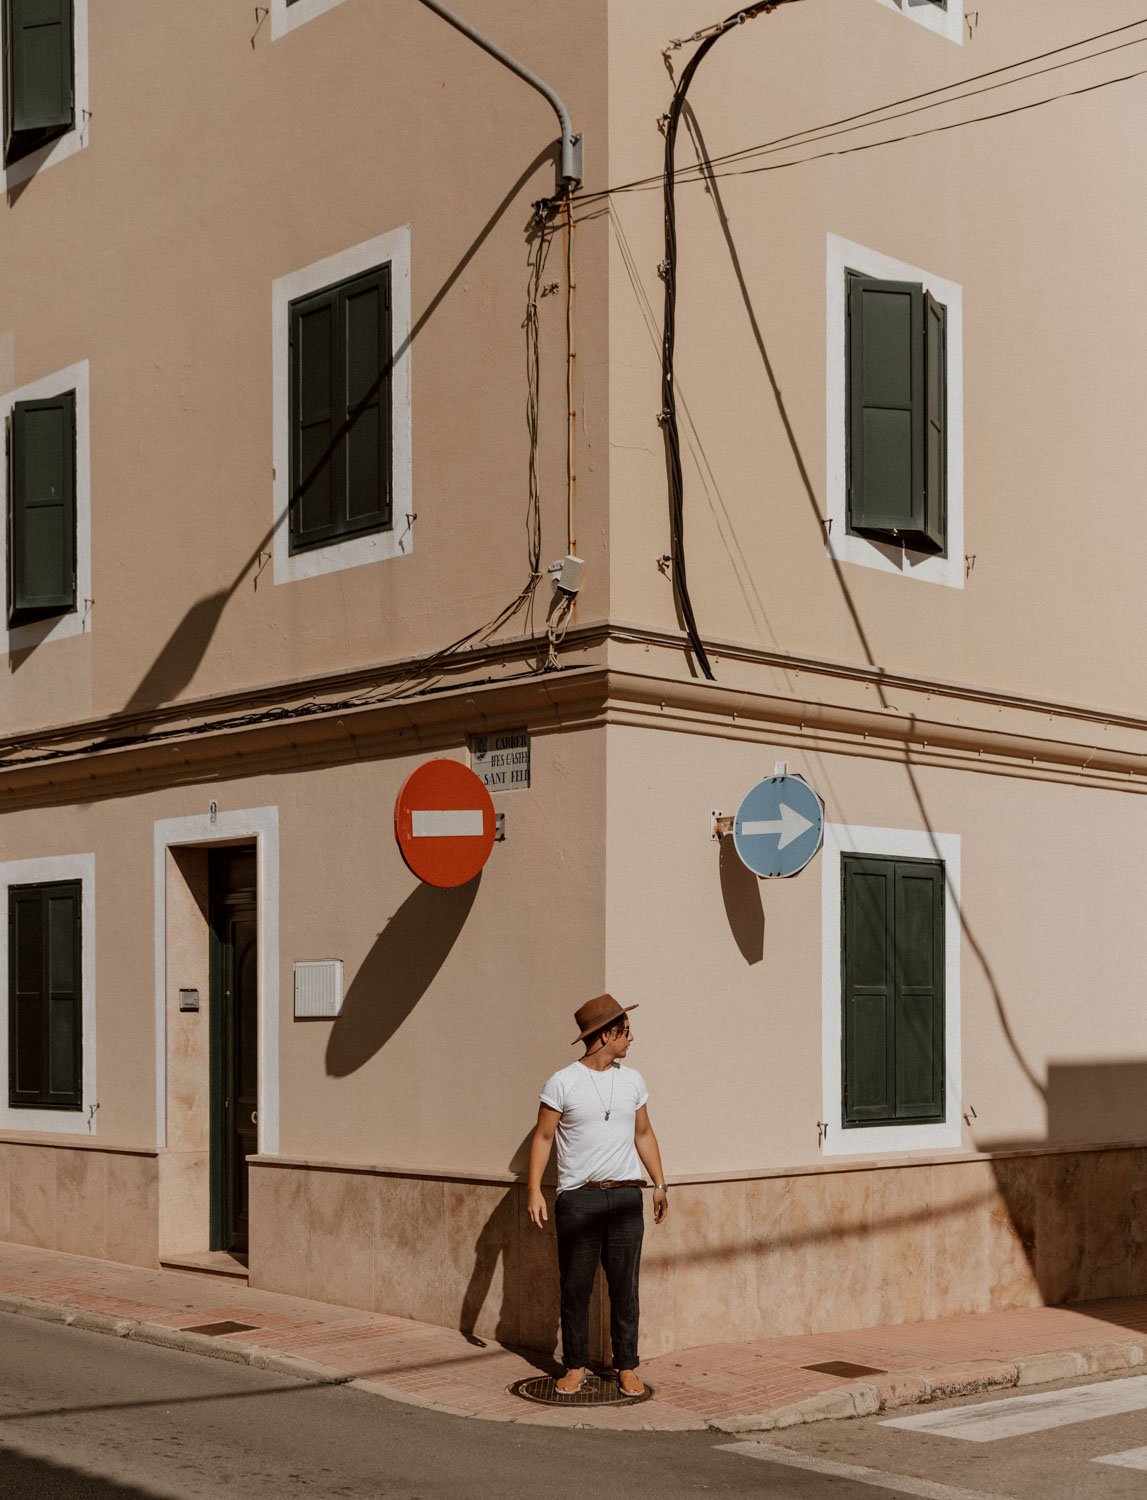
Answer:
(825, 1250)
(84, 1199)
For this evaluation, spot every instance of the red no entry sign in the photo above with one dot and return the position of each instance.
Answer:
(444, 823)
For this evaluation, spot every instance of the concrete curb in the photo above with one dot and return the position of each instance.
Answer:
(864, 1398)
(178, 1339)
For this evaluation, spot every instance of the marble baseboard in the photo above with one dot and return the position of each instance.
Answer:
(84, 1201)
(738, 1260)
(821, 1252)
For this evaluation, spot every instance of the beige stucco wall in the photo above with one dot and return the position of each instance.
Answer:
(457, 1004)
(1034, 214)
(728, 969)
(217, 166)
(152, 252)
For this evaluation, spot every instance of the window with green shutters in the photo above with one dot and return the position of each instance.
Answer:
(893, 990)
(39, 74)
(897, 413)
(42, 508)
(340, 403)
(45, 1044)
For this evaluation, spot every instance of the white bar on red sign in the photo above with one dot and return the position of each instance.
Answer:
(441, 823)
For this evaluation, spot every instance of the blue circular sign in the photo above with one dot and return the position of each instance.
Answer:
(779, 826)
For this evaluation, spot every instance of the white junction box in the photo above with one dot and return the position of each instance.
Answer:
(318, 988)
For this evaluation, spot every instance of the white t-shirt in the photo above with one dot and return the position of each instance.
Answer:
(590, 1147)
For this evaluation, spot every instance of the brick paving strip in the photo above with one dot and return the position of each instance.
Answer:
(735, 1388)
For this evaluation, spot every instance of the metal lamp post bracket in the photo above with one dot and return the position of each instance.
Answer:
(570, 174)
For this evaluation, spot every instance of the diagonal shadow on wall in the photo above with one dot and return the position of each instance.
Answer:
(401, 966)
(182, 653)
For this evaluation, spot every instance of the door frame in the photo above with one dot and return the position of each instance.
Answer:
(260, 824)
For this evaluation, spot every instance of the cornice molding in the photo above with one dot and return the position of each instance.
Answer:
(315, 722)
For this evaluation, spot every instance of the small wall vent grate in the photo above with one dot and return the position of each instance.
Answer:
(318, 988)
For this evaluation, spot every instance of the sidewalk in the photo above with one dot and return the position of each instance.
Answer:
(729, 1387)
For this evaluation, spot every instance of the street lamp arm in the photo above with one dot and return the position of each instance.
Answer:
(570, 173)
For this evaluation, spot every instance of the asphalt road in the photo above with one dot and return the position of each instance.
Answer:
(88, 1417)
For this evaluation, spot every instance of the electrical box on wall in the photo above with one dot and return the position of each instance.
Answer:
(567, 573)
(189, 999)
(318, 988)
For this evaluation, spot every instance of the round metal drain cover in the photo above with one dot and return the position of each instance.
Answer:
(595, 1392)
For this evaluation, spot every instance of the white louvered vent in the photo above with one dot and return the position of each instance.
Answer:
(319, 988)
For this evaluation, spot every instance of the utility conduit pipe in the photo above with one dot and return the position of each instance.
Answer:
(570, 172)
(668, 415)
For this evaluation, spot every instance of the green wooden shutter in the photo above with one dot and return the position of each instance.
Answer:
(893, 990)
(919, 990)
(869, 1012)
(886, 398)
(42, 507)
(39, 73)
(366, 353)
(341, 411)
(314, 420)
(44, 995)
(897, 402)
(935, 525)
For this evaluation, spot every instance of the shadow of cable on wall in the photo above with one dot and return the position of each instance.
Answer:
(1076, 1212)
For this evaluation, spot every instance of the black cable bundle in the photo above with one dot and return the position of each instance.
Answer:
(668, 394)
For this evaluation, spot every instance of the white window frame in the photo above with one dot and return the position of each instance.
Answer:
(262, 825)
(82, 1121)
(889, 557)
(378, 546)
(946, 23)
(890, 843)
(285, 18)
(77, 621)
(73, 140)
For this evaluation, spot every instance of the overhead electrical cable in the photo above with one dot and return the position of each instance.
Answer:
(915, 135)
(825, 130)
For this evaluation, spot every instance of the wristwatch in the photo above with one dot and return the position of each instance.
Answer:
(661, 1186)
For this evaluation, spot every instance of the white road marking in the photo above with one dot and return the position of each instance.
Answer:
(440, 824)
(904, 1484)
(1015, 1416)
(1134, 1458)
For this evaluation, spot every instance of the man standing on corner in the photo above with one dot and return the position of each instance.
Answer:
(597, 1109)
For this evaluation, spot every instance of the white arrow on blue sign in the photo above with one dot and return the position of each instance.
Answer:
(779, 826)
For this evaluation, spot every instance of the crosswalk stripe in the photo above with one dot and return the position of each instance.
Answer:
(1134, 1458)
(1017, 1416)
(904, 1484)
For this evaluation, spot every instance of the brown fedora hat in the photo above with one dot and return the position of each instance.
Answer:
(596, 1013)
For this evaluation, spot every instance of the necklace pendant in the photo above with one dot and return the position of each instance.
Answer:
(607, 1114)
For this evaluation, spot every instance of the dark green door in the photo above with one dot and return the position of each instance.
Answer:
(235, 1038)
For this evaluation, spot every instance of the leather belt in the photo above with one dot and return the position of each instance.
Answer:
(637, 1182)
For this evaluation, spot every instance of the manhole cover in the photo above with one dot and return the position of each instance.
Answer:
(213, 1330)
(845, 1370)
(595, 1392)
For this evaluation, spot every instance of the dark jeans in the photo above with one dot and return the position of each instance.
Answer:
(606, 1225)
